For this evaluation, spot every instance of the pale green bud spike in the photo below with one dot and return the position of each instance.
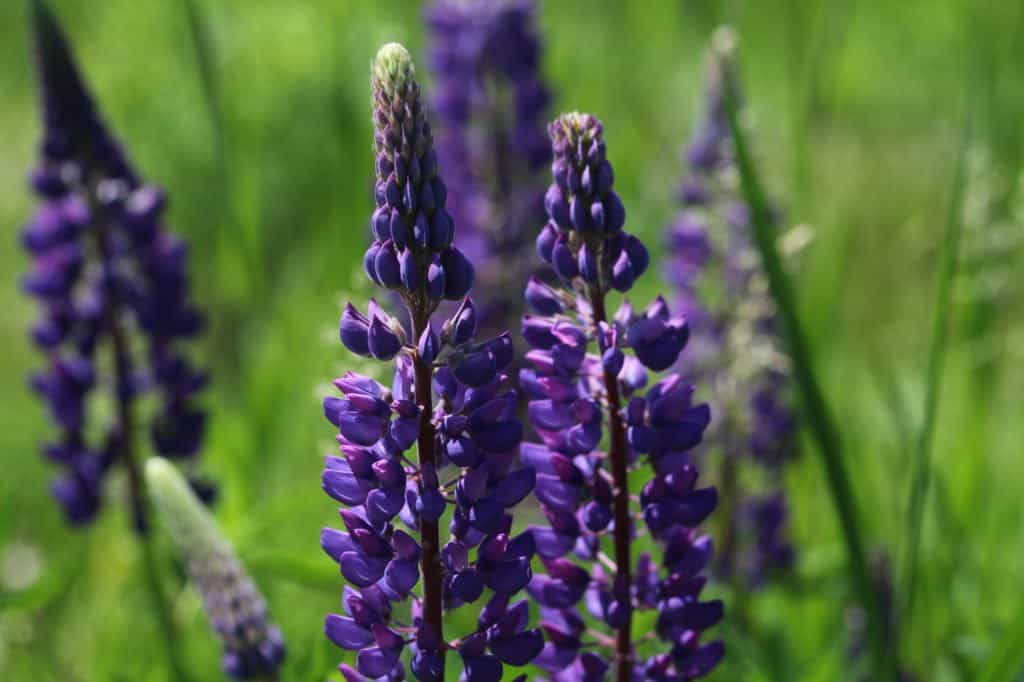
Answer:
(578, 125)
(189, 524)
(392, 69)
(253, 646)
(724, 42)
(721, 63)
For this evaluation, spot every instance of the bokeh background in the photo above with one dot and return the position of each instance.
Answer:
(254, 114)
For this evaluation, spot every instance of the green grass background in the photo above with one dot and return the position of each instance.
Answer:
(856, 108)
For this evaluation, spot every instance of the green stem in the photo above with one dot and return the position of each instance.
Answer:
(933, 385)
(817, 412)
(138, 499)
(162, 607)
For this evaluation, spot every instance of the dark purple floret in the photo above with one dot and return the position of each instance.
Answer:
(451, 397)
(721, 288)
(109, 278)
(491, 106)
(583, 386)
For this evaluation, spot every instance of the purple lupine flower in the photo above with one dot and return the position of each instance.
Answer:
(253, 646)
(738, 350)
(581, 385)
(491, 105)
(451, 396)
(109, 277)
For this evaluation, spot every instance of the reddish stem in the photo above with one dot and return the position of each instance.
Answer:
(430, 561)
(617, 455)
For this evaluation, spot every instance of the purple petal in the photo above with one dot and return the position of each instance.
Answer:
(555, 494)
(344, 487)
(550, 544)
(362, 570)
(467, 585)
(402, 575)
(376, 662)
(335, 543)
(514, 487)
(518, 649)
(701, 661)
(346, 633)
(482, 669)
(360, 428)
(510, 576)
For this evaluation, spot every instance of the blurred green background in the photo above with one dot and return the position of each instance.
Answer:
(255, 116)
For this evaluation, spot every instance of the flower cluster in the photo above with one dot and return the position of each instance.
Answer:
(577, 393)
(412, 250)
(107, 274)
(721, 287)
(253, 646)
(491, 104)
(451, 396)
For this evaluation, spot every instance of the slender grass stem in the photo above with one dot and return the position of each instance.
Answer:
(162, 607)
(921, 475)
(816, 410)
(1007, 660)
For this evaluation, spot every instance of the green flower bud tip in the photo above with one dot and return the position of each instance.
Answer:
(393, 69)
(253, 645)
(189, 524)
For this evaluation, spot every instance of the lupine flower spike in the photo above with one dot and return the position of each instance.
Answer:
(583, 384)
(109, 278)
(738, 354)
(253, 646)
(491, 106)
(451, 398)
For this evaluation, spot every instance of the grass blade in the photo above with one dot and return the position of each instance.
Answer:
(816, 410)
(205, 60)
(1007, 661)
(921, 475)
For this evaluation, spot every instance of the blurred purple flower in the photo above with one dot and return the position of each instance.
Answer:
(738, 352)
(491, 104)
(107, 275)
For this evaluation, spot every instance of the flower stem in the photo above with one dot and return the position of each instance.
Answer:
(921, 467)
(430, 561)
(623, 523)
(138, 500)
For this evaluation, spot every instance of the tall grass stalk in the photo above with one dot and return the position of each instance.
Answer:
(1007, 660)
(921, 475)
(815, 409)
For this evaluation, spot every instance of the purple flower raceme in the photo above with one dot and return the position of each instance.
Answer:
(581, 385)
(109, 277)
(451, 397)
(722, 289)
(491, 105)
